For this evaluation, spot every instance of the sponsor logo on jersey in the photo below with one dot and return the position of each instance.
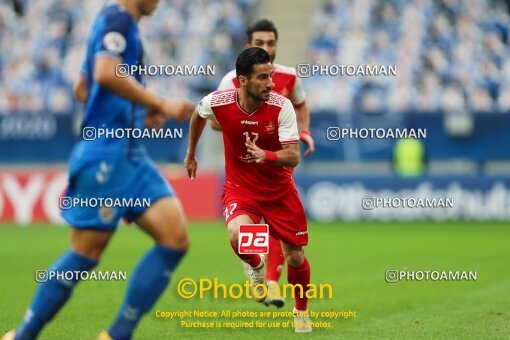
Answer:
(249, 122)
(271, 128)
(299, 233)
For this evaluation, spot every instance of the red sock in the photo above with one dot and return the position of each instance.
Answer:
(275, 260)
(253, 260)
(300, 275)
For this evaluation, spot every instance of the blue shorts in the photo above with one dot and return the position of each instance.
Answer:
(101, 193)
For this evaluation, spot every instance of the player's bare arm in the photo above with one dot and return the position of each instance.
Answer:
(129, 88)
(303, 120)
(302, 116)
(196, 126)
(288, 156)
(215, 126)
(154, 119)
(80, 89)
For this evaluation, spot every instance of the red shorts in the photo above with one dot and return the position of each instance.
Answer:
(286, 216)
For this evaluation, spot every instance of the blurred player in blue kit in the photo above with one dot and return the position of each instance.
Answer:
(116, 168)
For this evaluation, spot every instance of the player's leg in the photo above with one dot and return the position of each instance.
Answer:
(298, 273)
(241, 210)
(166, 224)
(164, 221)
(92, 229)
(86, 249)
(256, 269)
(253, 260)
(299, 276)
(274, 264)
(288, 221)
(275, 260)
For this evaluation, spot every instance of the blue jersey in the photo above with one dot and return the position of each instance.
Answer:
(111, 168)
(114, 33)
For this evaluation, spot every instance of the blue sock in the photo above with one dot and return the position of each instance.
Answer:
(147, 283)
(51, 295)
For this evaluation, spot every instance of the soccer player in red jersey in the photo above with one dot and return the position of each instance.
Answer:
(264, 34)
(261, 142)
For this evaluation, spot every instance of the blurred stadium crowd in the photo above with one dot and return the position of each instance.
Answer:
(451, 55)
(42, 44)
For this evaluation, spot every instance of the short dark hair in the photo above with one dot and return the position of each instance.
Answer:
(263, 25)
(248, 58)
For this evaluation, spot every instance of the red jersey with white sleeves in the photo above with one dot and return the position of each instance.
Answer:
(285, 82)
(272, 125)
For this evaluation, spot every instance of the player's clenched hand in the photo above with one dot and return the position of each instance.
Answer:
(190, 163)
(308, 140)
(154, 119)
(259, 156)
(178, 109)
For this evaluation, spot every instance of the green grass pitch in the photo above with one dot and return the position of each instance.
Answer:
(352, 257)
